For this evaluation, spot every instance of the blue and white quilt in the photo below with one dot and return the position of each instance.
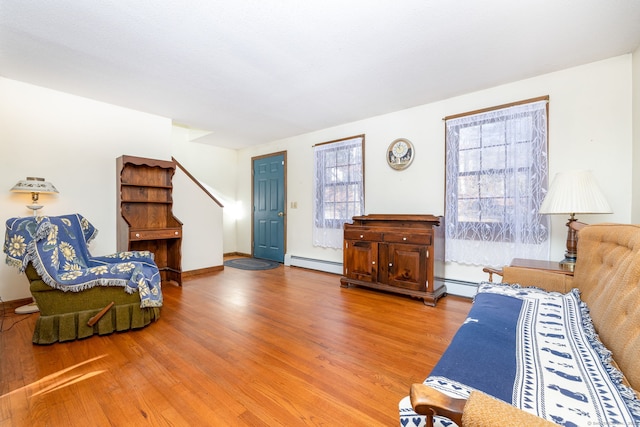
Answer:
(538, 351)
(58, 248)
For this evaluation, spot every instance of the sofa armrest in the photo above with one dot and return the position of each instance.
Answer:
(549, 281)
(491, 271)
(552, 282)
(480, 410)
(428, 401)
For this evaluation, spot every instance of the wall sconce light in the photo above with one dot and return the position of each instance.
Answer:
(35, 186)
(571, 193)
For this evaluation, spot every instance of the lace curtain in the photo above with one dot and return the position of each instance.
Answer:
(338, 189)
(496, 179)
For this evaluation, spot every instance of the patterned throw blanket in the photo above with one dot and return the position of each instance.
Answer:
(57, 247)
(538, 351)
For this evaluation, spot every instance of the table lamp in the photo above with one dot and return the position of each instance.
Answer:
(574, 192)
(35, 186)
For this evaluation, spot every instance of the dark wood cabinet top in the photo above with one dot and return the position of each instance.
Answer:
(397, 220)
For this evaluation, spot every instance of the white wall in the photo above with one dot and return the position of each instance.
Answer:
(215, 167)
(72, 142)
(201, 219)
(590, 127)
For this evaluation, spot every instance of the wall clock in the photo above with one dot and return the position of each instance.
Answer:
(400, 154)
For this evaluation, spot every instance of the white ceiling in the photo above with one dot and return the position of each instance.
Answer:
(253, 71)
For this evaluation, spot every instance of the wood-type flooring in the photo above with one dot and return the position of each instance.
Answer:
(281, 347)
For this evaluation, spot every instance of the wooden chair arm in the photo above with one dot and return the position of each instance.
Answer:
(428, 401)
(491, 272)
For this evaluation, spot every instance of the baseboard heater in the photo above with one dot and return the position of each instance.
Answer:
(460, 287)
(313, 264)
(454, 287)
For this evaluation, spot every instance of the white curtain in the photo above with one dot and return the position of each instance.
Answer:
(496, 179)
(338, 189)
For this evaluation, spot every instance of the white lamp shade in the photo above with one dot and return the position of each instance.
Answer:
(574, 192)
(34, 185)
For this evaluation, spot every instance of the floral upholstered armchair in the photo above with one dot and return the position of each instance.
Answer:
(70, 286)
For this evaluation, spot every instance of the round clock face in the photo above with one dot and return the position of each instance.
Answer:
(400, 148)
(400, 154)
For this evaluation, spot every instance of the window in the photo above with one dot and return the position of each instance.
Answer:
(496, 179)
(338, 189)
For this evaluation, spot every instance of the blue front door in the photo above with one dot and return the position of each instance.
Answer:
(268, 207)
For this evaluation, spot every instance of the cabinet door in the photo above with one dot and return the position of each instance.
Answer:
(360, 260)
(407, 266)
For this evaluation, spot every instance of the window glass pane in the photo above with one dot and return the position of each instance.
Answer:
(523, 182)
(468, 210)
(355, 172)
(493, 157)
(329, 213)
(468, 187)
(329, 175)
(330, 159)
(342, 173)
(492, 210)
(524, 155)
(342, 157)
(341, 210)
(329, 194)
(469, 160)
(492, 185)
(469, 137)
(520, 129)
(493, 134)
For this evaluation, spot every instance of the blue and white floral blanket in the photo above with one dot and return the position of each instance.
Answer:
(58, 248)
(538, 351)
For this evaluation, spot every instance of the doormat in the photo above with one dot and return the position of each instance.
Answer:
(251, 264)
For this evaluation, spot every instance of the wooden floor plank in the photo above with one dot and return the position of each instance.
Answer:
(286, 346)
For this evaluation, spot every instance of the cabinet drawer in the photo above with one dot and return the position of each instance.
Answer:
(418, 239)
(165, 233)
(362, 235)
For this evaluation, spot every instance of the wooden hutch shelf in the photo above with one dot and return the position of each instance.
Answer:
(145, 220)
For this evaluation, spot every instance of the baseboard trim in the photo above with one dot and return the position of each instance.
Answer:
(236, 254)
(13, 304)
(201, 271)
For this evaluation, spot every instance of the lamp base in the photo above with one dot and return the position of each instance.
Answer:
(34, 208)
(571, 254)
(568, 264)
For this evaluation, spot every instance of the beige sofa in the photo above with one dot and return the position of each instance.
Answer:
(607, 273)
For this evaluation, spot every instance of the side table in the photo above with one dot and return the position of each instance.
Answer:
(536, 264)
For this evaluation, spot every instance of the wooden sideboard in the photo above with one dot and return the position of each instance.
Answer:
(396, 253)
(145, 220)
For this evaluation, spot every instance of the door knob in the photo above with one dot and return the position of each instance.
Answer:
(280, 213)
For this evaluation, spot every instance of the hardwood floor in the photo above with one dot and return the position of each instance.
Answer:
(249, 348)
